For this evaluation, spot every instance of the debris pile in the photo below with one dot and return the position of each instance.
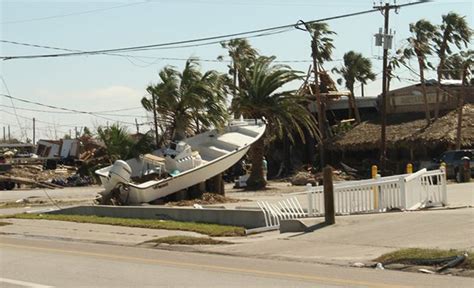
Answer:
(207, 199)
(316, 178)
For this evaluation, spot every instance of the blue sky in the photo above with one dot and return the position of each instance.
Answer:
(103, 83)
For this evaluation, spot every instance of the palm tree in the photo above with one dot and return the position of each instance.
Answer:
(187, 102)
(423, 33)
(356, 68)
(117, 141)
(321, 51)
(284, 111)
(454, 30)
(458, 66)
(243, 55)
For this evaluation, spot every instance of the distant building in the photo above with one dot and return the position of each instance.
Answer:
(409, 99)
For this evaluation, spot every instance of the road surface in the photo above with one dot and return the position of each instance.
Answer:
(43, 263)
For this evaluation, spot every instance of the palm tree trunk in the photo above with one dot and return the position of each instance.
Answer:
(442, 61)
(460, 107)
(354, 106)
(256, 180)
(423, 88)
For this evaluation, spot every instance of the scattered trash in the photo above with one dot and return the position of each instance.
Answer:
(453, 263)
(197, 206)
(379, 266)
(426, 271)
(358, 265)
(22, 200)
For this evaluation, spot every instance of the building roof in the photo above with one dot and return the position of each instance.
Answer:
(408, 131)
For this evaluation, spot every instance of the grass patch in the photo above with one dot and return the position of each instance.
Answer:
(409, 255)
(187, 240)
(4, 224)
(212, 230)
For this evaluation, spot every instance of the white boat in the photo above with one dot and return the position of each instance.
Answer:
(182, 165)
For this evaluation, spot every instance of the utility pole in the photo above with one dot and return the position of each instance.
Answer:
(34, 131)
(9, 138)
(386, 38)
(138, 127)
(155, 121)
(4, 135)
(75, 132)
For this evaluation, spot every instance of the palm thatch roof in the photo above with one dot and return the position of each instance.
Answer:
(408, 132)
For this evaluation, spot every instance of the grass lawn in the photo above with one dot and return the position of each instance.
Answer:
(187, 240)
(409, 254)
(212, 230)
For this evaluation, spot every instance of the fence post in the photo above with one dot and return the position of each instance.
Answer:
(329, 213)
(376, 194)
(403, 192)
(443, 185)
(310, 193)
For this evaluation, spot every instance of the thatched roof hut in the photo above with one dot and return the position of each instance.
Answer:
(406, 131)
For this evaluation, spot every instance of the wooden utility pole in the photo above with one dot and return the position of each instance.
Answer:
(155, 121)
(9, 138)
(385, 9)
(138, 127)
(329, 211)
(34, 131)
(4, 135)
(383, 148)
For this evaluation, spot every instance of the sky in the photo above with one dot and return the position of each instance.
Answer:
(105, 83)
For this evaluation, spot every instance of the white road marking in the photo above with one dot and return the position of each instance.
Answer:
(23, 283)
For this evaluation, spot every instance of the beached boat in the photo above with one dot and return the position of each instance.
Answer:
(182, 165)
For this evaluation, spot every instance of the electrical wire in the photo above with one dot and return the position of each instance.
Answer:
(68, 109)
(192, 42)
(73, 14)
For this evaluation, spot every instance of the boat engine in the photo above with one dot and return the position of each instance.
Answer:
(120, 173)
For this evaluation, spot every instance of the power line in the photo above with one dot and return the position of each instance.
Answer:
(155, 57)
(185, 43)
(106, 113)
(68, 109)
(74, 13)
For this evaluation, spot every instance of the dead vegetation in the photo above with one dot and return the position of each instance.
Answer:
(207, 199)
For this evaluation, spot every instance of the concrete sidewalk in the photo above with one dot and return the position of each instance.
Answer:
(364, 237)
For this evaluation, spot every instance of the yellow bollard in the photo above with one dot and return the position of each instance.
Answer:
(376, 194)
(409, 168)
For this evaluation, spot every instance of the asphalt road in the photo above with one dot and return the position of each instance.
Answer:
(44, 263)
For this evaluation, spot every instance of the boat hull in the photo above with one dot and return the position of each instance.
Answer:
(151, 190)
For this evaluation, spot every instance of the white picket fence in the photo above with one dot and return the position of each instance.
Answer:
(405, 192)
(284, 209)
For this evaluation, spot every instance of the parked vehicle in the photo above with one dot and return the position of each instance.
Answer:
(454, 160)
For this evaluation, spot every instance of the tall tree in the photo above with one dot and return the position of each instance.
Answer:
(423, 34)
(284, 111)
(321, 51)
(242, 55)
(454, 31)
(458, 66)
(356, 68)
(189, 101)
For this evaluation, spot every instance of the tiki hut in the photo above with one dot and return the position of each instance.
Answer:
(443, 131)
(408, 138)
